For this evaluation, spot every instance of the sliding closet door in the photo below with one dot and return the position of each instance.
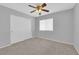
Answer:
(20, 29)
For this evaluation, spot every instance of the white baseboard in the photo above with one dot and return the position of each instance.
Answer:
(46, 39)
(19, 41)
(12, 43)
(5, 46)
(77, 49)
(57, 41)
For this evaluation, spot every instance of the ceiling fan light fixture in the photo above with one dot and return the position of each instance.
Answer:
(40, 8)
(38, 11)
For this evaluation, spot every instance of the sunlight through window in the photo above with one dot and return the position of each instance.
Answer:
(46, 25)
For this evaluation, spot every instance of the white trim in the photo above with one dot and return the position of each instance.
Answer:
(57, 41)
(77, 49)
(20, 41)
(5, 46)
(13, 43)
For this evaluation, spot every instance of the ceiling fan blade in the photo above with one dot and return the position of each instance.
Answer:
(45, 10)
(32, 11)
(31, 6)
(43, 5)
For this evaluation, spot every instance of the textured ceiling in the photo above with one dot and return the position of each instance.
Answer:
(53, 7)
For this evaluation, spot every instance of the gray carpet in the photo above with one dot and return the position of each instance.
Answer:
(38, 46)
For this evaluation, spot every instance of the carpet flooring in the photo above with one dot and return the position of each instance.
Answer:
(38, 46)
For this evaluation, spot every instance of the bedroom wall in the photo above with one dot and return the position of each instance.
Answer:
(4, 27)
(5, 16)
(76, 27)
(63, 26)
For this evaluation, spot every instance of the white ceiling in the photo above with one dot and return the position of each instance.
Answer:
(53, 7)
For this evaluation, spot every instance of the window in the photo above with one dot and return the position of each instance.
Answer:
(46, 25)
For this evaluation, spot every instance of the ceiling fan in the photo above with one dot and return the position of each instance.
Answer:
(39, 8)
